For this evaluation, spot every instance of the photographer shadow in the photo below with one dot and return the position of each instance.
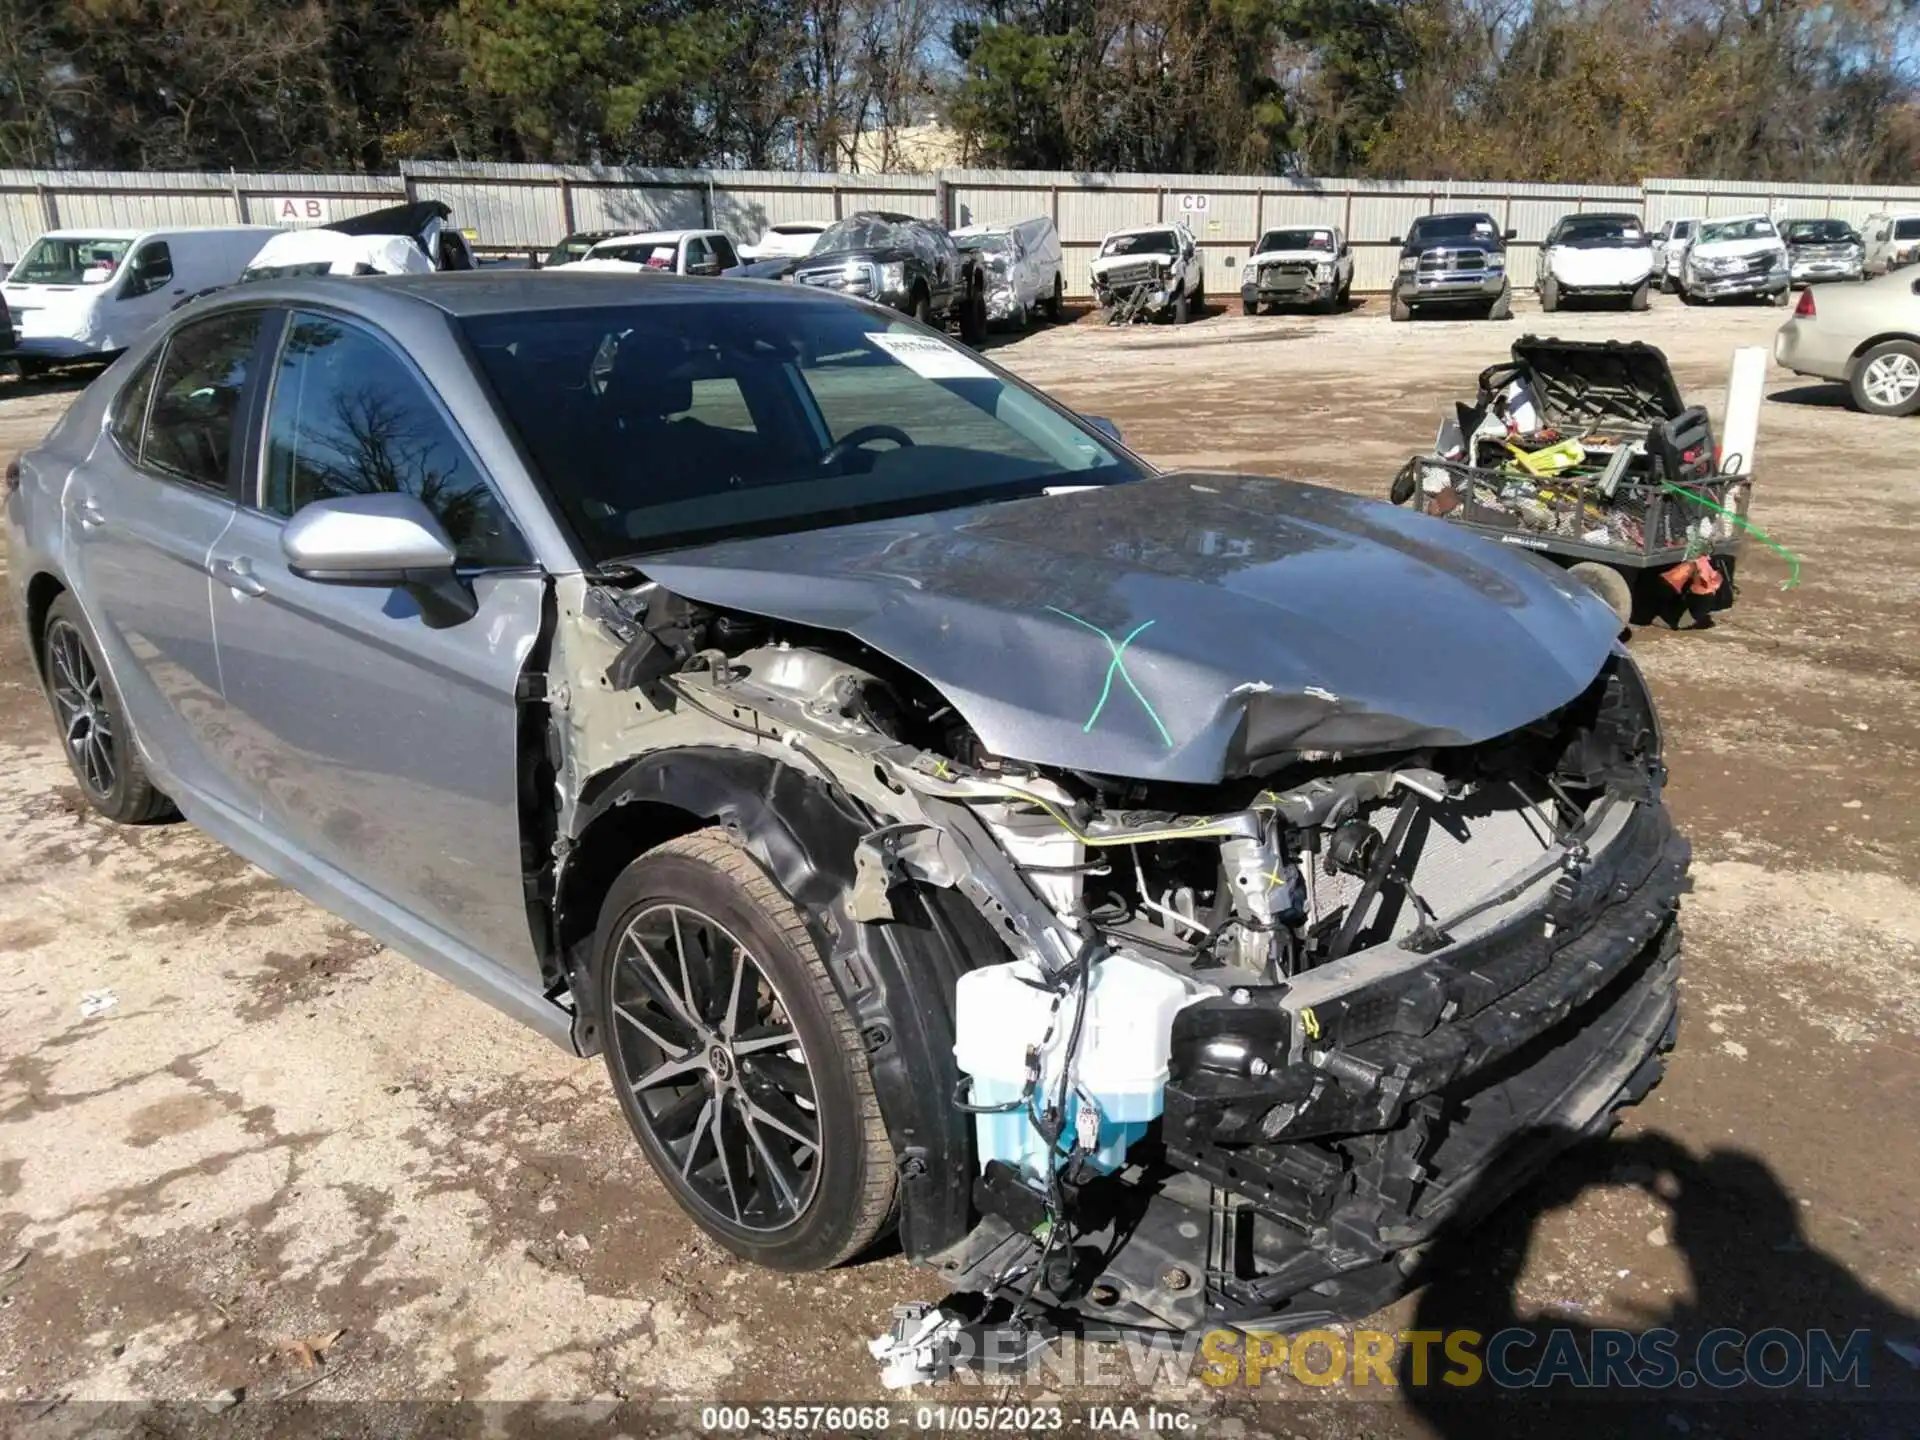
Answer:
(1752, 1267)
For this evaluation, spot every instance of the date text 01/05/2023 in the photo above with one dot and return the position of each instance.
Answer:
(1012, 1419)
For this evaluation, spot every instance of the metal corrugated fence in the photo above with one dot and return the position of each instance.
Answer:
(528, 207)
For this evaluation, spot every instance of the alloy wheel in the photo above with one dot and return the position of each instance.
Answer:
(1891, 379)
(718, 1075)
(79, 703)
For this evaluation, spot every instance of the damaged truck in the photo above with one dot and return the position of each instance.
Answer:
(1164, 899)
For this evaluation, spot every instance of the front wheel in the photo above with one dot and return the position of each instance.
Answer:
(96, 734)
(1502, 308)
(1641, 297)
(1398, 309)
(735, 1061)
(1180, 311)
(973, 315)
(1057, 300)
(1549, 295)
(922, 306)
(1886, 381)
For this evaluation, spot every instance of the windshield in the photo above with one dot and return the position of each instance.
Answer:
(1452, 227)
(677, 422)
(1296, 240)
(1149, 242)
(864, 232)
(1746, 227)
(63, 260)
(991, 244)
(654, 254)
(1602, 230)
(1820, 232)
(573, 248)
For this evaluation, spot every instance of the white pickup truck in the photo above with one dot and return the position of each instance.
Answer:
(1149, 271)
(1596, 256)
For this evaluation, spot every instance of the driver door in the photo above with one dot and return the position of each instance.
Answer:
(377, 753)
(147, 290)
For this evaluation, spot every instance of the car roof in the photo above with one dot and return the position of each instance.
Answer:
(1454, 215)
(652, 237)
(1622, 217)
(462, 293)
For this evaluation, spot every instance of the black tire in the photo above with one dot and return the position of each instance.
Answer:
(96, 735)
(1249, 307)
(1200, 294)
(1502, 307)
(1181, 313)
(922, 306)
(1642, 297)
(973, 313)
(1346, 294)
(1549, 295)
(1057, 301)
(1398, 309)
(1886, 379)
(847, 1188)
(1667, 286)
(1609, 584)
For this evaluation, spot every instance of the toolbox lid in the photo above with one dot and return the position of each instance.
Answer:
(1587, 382)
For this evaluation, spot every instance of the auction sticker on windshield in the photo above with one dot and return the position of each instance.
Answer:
(930, 358)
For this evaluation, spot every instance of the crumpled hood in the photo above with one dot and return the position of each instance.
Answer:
(1186, 627)
(1105, 263)
(1736, 249)
(1315, 257)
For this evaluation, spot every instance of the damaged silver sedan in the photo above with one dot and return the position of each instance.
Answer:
(1165, 898)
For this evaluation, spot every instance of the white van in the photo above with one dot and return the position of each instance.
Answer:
(1893, 240)
(1022, 262)
(77, 294)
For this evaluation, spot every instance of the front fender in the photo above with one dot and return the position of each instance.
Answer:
(897, 979)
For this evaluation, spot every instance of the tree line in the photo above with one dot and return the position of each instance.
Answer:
(1548, 90)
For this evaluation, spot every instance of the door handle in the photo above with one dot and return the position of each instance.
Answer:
(89, 513)
(237, 574)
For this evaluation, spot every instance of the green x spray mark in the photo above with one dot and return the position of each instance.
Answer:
(1117, 666)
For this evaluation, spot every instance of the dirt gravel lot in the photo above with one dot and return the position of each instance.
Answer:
(281, 1131)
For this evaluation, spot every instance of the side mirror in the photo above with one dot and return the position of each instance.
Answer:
(1396, 240)
(1346, 248)
(388, 540)
(1112, 431)
(1511, 234)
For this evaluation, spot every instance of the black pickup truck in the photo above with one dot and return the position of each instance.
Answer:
(912, 265)
(1454, 260)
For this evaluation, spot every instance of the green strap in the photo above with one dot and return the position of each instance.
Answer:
(1742, 521)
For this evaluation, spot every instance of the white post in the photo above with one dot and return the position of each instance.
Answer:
(1740, 430)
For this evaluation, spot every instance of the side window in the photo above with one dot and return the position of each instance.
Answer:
(150, 269)
(199, 398)
(349, 417)
(130, 408)
(723, 252)
(696, 256)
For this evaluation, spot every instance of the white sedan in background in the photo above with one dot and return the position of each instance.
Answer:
(1865, 335)
(785, 240)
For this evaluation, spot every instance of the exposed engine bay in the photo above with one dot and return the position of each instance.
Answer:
(1363, 952)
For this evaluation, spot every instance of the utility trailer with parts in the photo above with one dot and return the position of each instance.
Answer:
(1585, 452)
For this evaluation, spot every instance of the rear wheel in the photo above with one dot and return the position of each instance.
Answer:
(1886, 380)
(737, 1065)
(95, 733)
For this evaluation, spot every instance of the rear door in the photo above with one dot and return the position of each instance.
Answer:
(143, 517)
(373, 748)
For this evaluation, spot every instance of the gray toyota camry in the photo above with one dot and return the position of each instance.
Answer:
(1163, 898)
